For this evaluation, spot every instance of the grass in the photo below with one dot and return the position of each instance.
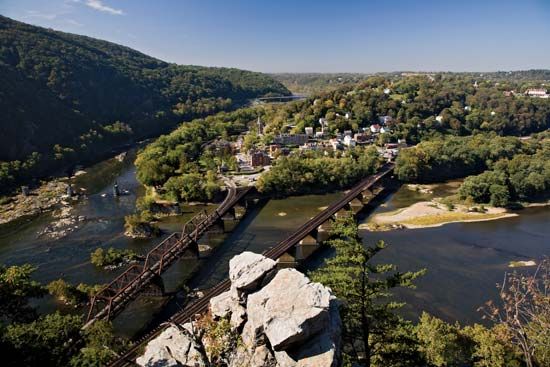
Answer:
(430, 220)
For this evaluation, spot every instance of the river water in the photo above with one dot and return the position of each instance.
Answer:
(464, 261)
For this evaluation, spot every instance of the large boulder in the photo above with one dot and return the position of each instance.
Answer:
(289, 310)
(221, 305)
(248, 271)
(175, 346)
(323, 350)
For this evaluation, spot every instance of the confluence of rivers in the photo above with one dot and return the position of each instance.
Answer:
(464, 260)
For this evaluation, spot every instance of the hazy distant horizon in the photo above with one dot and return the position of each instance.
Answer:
(312, 36)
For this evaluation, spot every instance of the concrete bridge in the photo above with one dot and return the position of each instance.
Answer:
(292, 250)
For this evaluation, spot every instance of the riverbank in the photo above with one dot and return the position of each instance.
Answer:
(426, 214)
(42, 199)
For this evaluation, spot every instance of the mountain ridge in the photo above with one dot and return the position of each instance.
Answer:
(66, 97)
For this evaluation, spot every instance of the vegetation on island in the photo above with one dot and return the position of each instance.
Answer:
(139, 225)
(317, 173)
(98, 96)
(113, 257)
(375, 335)
(72, 295)
(501, 170)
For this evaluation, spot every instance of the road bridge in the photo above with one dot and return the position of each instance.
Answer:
(363, 192)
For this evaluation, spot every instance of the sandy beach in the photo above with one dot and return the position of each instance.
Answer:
(426, 214)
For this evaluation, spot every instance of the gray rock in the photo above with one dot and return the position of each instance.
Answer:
(238, 316)
(226, 305)
(247, 271)
(261, 356)
(220, 306)
(289, 310)
(175, 346)
(321, 351)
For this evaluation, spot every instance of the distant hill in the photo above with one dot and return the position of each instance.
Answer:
(311, 83)
(66, 97)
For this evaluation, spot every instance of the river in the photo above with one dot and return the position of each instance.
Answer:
(464, 261)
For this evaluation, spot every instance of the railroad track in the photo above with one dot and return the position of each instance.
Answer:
(201, 305)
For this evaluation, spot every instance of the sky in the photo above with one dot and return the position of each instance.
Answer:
(312, 35)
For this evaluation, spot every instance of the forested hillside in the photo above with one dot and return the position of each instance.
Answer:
(66, 98)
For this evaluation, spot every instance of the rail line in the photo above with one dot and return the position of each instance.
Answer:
(201, 305)
(114, 297)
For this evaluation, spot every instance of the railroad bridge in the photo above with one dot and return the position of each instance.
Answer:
(293, 249)
(146, 277)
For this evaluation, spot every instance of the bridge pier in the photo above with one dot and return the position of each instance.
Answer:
(155, 287)
(323, 231)
(356, 206)
(307, 246)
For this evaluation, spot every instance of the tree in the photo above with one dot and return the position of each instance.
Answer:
(499, 195)
(16, 287)
(442, 344)
(492, 347)
(525, 312)
(48, 341)
(370, 324)
(66, 292)
(101, 345)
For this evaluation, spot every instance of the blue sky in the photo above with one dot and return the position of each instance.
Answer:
(314, 36)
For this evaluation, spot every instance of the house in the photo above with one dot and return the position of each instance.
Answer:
(259, 158)
(319, 134)
(347, 115)
(335, 143)
(348, 141)
(290, 139)
(360, 137)
(387, 90)
(347, 133)
(384, 130)
(439, 119)
(375, 128)
(309, 146)
(309, 131)
(537, 92)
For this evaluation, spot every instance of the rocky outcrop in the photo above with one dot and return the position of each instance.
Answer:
(249, 271)
(175, 346)
(281, 318)
(289, 310)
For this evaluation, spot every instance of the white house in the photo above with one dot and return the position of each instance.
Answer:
(309, 131)
(348, 141)
(375, 128)
(537, 92)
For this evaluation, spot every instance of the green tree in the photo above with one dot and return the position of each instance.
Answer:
(368, 313)
(16, 287)
(442, 344)
(48, 341)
